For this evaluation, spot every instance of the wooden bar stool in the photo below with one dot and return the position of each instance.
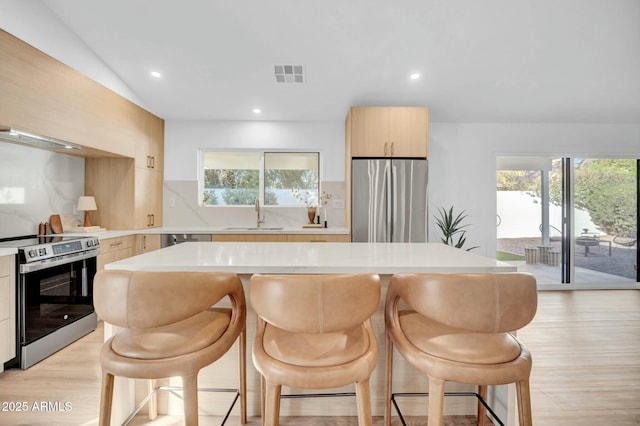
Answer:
(170, 328)
(457, 328)
(314, 332)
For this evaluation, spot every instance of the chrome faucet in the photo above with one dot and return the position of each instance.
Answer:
(258, 220)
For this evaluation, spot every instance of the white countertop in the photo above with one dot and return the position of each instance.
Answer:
(287, 258)
(8, 251)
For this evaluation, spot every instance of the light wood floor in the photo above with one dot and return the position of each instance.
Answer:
(585, 347)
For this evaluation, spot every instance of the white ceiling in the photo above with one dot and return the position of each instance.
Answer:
(480, 61)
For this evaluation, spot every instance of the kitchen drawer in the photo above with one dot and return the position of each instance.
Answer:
(7, 286)
(7, 309)
(318, 238)
(254, 238)
(113, 249)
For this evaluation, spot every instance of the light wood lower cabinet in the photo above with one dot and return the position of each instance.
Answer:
(113, 249)
(7, 309)
(292, 238)
(319, 238)
(147, 242)
(254, 238)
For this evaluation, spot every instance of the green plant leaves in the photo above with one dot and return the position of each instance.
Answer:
(452, 227)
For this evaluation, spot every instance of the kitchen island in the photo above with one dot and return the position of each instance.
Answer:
(246, 259)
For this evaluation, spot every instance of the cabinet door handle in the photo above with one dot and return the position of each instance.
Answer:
(153, 162)
(392, 149)
(144, 242)
(385, 149)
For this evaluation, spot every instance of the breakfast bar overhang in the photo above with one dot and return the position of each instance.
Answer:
(246, 259)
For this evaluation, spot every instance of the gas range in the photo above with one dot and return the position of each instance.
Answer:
(43, 248)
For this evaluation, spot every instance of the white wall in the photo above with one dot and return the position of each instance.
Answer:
(462, 162)
(34, 23)
(184, 138)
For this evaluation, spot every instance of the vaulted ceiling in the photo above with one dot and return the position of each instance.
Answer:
(479, 61)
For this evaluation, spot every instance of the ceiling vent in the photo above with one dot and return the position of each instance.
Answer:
(289, 73)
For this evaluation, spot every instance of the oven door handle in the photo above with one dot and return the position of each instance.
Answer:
(44, 264)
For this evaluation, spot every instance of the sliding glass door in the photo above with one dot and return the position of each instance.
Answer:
(605, 214)
(569, 220)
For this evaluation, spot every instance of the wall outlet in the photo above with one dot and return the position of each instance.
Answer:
(172, 202)
(337, 204)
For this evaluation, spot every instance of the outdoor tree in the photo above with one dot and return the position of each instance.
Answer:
(605, 188)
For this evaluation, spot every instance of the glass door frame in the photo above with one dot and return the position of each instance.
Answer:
(568, 219)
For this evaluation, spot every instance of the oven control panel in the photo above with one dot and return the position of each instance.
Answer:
(51, 247)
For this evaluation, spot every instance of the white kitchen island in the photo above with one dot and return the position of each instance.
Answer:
(246, 259)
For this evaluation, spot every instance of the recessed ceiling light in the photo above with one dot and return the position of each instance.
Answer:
(156, 74)
(257, 111)
(414, 76)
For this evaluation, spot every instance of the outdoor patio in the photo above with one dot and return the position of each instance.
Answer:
(597, 266)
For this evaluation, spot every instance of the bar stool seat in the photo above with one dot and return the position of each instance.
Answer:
(458, 327)
(311, 335)
(169, 329)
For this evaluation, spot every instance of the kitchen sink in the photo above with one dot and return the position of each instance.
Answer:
(262, 228)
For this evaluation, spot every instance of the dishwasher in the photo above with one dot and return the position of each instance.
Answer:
(173, 239)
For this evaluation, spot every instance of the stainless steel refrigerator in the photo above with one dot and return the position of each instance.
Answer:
(389, 200)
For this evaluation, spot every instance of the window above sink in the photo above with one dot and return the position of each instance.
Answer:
(238, 178)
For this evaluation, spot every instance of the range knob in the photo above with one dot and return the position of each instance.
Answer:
(32, 253)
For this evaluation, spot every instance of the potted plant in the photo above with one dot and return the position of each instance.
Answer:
(452, 228)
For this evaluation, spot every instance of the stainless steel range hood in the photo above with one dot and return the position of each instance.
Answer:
(25, 138)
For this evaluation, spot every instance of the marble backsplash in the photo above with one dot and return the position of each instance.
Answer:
(181, 209)
(34, 184)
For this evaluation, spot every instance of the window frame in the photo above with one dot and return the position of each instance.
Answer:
(261, 173)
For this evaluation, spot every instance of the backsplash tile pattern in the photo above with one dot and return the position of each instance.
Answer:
(34, 184)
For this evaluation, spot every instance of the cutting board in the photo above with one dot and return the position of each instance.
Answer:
(56, 224)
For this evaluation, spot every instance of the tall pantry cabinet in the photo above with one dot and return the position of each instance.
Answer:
(383, 132)
(129, 191)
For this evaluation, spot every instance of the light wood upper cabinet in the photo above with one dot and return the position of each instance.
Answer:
(41, 95)
(387, 132)
(150, 144)
(128, 197)
(7, 309)
(123, 144)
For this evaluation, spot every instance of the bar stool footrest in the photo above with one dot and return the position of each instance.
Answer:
(174, 390)
(474, 394)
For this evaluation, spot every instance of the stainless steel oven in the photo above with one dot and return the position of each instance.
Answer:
(55, 295)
